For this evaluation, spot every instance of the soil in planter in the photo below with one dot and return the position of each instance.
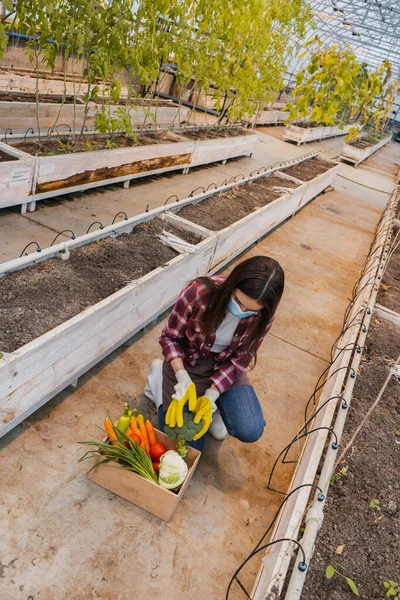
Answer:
(67, 145)
(219, 212)
(365, 142)
(389, 291)
(309, 169)
(210, 134)
(367, 540)
(4, 157)
(39, 298)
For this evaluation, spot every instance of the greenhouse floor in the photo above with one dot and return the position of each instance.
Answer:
(64, 537)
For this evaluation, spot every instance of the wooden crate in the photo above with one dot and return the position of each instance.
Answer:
(143, 492)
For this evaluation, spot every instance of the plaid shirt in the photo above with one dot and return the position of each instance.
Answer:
(183, 337)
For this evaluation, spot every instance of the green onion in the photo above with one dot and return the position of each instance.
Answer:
(133, 458)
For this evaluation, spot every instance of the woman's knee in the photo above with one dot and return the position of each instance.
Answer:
(249, 433)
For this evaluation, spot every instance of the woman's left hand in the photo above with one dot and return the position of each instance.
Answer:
(205, 408)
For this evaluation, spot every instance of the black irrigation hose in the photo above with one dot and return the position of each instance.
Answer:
(27, 131)
(38, 248)
(95, 223)
(258, 546)
(170, 197)
(117, 215)
(195, 190)
(61, 232)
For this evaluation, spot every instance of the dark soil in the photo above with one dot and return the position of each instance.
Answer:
(37, 299)
(210, 134)
(389, 291)
(4, 157)
(219, 212)
(365, 142)
(371, 538)
(66, 144)
(13, 97)
(309, 124)
(309, 169)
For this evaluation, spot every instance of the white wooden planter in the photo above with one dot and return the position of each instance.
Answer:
(302, 135)
(20, 116)
(15, 178)
(358, 155)
(57, 175)
(235, 238)
(33, 374)
(269, 117)
(36, 372)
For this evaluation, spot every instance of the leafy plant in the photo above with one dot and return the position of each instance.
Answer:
(339, 475)
(392, 590)
(331, 571)
(375, 504)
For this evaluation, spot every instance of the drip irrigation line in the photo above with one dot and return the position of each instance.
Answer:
(258, 546)
(302, 566)
(117, 215)
(38, 248)
(363, 185)
(322, 385)
(95, 223)
(175, 197)
(61, 232)
(287, 448)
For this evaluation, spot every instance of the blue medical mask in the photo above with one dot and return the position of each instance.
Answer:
(236, 311)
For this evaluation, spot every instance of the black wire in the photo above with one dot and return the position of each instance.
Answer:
(168, 199)
(61, 232)
(195, 190)
(95, 223)
(38, 248)
(117, 215)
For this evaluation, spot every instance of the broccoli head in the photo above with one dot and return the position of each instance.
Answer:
(183, 434)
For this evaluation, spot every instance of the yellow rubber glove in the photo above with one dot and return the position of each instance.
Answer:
(205, 408)
(185, 391)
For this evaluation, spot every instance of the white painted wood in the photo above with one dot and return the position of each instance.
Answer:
(385, 313)
(208, 151)
(358, 155)
(269, 117)
(20, 116)
(15, 177)
(301, 135)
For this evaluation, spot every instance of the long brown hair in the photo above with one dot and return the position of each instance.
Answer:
(262, 279)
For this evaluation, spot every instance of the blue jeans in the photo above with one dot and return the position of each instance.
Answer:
(241, 412)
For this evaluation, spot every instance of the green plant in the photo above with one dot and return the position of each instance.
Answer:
(375, 504)
(339, 475)
(331, 571)
(392, 590)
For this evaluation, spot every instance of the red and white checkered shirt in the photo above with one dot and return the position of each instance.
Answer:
(183, 336)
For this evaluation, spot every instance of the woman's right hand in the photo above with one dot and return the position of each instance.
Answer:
(185, 391)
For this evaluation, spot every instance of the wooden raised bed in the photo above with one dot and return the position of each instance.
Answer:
(269, 117)
(142, 492)
(36, 371)
(20, 116)
(235, 238)
(16, 175)
(356, 155)
(66, 173)
(302, 135)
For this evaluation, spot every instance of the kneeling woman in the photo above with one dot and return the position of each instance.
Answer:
(211, 337)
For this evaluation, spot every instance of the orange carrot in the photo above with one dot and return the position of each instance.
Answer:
(110, 432)
(151, 433)
(134, 425)
(143, 431)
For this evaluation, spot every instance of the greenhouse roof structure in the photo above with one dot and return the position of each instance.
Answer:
(370, 27)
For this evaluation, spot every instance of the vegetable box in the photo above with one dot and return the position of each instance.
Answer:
(142, 492)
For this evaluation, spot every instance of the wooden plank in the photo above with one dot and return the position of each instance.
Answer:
(15, 177)
(302, 135)
(208, 151)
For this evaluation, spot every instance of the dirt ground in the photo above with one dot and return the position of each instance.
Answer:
(309, 169)
(364, 541)
(219, 212)
(53, 291)
(389, 291)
